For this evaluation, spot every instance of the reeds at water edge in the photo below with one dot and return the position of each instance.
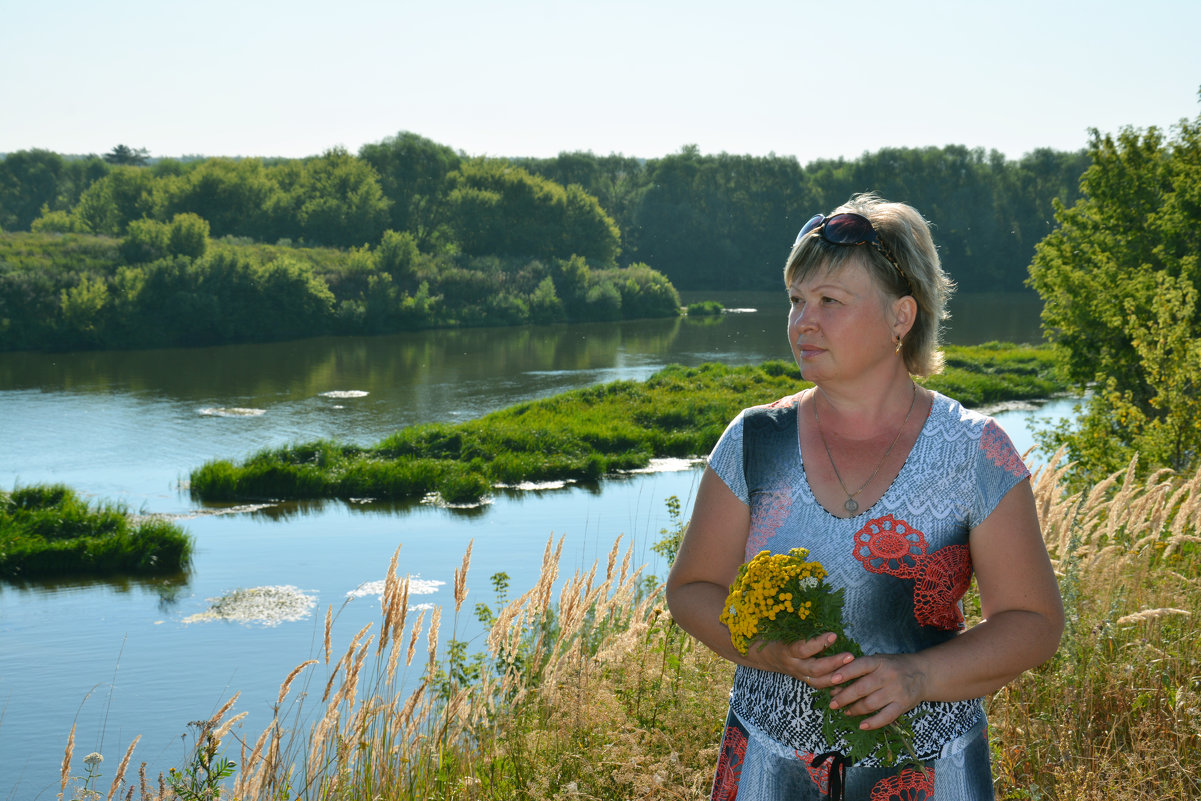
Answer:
(593, 692)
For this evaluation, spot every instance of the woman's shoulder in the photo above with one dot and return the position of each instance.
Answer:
(776, 413)
(952, 412)
(951, 421)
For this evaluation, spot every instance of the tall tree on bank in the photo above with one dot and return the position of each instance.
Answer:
(1120, 278)
(414, 174)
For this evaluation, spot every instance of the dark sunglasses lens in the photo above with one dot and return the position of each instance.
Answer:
(814, 221)
(849, 229)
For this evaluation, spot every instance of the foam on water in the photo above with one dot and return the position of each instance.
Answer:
(230, 411)
(417, 586)
(344, 393)
(269, 606)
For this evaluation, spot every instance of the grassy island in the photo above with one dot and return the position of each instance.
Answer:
(47, 531)
(581, 435)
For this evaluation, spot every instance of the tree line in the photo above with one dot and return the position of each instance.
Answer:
(226, 250)
(707, 222)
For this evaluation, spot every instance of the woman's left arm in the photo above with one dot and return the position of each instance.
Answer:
(1023, 621)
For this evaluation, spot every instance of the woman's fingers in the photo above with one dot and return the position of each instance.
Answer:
(813, 669)
(882, 687)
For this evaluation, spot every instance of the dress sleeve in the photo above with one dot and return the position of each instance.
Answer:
(999, 468)
(726, 460)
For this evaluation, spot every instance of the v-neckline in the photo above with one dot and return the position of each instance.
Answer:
(904, 465)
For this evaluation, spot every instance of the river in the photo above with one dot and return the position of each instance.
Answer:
(119, 658)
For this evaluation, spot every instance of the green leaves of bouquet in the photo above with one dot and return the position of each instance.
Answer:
(786, 598)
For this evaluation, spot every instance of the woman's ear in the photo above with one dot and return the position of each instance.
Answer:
(904, 314)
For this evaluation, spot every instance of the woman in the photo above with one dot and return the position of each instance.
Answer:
(901, 494)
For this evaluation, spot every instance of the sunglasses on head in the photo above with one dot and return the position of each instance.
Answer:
(849, 228)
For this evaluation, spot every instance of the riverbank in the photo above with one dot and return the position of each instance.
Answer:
(581, 435)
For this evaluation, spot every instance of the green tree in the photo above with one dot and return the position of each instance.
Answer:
(1119, 278)
(232, 194)
(333, 199)
(124, 155)
(188, 235)
(414, 174)
(145, 241)
(498, 209)
(111, 203)
(29, 183)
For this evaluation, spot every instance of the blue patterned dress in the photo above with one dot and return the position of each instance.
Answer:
(905, 566)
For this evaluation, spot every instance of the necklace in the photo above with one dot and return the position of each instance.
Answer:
(851, 505)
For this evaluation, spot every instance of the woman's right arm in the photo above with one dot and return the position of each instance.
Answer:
(712, 550)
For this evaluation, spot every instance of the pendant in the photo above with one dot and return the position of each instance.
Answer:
(851, 506)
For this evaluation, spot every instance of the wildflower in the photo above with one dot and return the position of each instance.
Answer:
(783, 597)
(93, 759)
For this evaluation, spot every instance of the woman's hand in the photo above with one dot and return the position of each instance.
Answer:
(801, 659)
(884, 686)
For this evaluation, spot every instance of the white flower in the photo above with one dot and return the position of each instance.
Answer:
(93, 759)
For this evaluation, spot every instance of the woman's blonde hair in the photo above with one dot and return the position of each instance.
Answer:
(906, 234)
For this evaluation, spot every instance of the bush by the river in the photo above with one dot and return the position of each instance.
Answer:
(705, 308)
(165, 284)
(580, 435)
(48, 531)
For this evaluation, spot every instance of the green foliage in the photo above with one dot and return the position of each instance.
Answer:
(1119, 278)
(56, 222)
(495, 208)
(692, 216)
(48, 531)
(334, 199)
(169, 284)
(414, 174)
(145, 240)
(705, 308)
(110, 204)
(188, 235)
(233, 195)
(580, 435)
(201, 778)
(126, 155)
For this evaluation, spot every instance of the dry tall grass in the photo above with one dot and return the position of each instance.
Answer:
(596, 694)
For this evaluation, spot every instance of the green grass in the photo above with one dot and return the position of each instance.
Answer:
(47, 531)
(580, 435)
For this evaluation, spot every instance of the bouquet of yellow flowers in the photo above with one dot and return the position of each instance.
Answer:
(784, 597)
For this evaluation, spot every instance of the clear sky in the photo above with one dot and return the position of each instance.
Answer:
(637, 77)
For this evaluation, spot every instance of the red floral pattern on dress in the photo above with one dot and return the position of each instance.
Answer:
(911, 784)
(729, 764)
(891, 546)
(895, 548)
(945, 576)
(999, 449)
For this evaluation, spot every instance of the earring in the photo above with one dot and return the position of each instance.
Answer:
(899, 343)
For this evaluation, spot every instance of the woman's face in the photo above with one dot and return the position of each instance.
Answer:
(840, 323)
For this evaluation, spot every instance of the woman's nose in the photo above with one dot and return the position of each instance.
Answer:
(800, 320)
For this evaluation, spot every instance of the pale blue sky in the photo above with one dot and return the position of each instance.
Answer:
(536, 77)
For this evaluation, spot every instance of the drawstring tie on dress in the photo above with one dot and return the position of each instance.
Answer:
(838, 765)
